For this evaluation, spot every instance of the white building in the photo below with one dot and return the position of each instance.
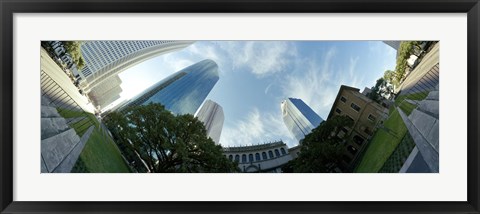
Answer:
(102, 103)
(366, 91)
(105, 91)
(104, 59)
(107, 98)
(211, 114)
(269, 157)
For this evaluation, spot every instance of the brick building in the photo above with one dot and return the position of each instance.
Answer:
(366, 115)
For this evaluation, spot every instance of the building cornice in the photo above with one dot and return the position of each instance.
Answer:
(254, 147)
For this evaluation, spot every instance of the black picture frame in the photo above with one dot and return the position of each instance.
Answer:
(9, 7)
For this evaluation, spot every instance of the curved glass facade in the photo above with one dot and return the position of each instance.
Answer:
(299, 118)
(184, 91)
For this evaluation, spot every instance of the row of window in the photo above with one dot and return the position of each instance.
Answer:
(370, 116)
(109, 67)
(352, 105)
(126, 61)
(98, 54)
(257, 156)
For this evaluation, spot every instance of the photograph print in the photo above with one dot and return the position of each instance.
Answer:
(156, 106)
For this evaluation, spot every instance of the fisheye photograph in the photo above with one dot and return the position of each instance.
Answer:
(158, 106)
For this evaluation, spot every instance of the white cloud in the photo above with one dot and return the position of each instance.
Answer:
(265, 58)
(313, 86)
(268, 87)
(206, 51)
(319, 83)
(175, 63)
(353, 64)
(351, 77)
(262, 58)
(257, 128)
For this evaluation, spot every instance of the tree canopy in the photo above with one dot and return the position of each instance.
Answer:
(74, 49)
(404, 51)
(382, 90)
(322, 149)
(391, 77)
(154, 140)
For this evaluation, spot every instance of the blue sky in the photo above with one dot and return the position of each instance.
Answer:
(255, 76)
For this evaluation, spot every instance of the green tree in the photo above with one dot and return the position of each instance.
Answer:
(381, 90)
(155, 140)
(322, 149)
(74, 49)
(374, 94)
(404, 51)
(390, 77)
(80, 63)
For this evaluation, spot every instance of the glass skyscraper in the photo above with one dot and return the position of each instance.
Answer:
(211, 115)
(299, 118)
(182, 92)
(104, 60)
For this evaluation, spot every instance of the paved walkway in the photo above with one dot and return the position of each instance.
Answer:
(415, 163)
(431, 59)
(423, 126)
(60, 144)
(67, 164)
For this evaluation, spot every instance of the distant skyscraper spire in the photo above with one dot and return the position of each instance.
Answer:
(211, 115)
(299, 118)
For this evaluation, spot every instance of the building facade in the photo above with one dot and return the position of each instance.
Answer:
(365, 113)
(105, 102)
(299, 118)
(104, 59)
(269, 157)
(182, 92)
(103, 94)
(211, 115)
(107, 98)
(393, 44)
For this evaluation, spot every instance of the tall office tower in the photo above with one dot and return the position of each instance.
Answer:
(182, 92)
(104, 59)
(211, 115)
(299, 118)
